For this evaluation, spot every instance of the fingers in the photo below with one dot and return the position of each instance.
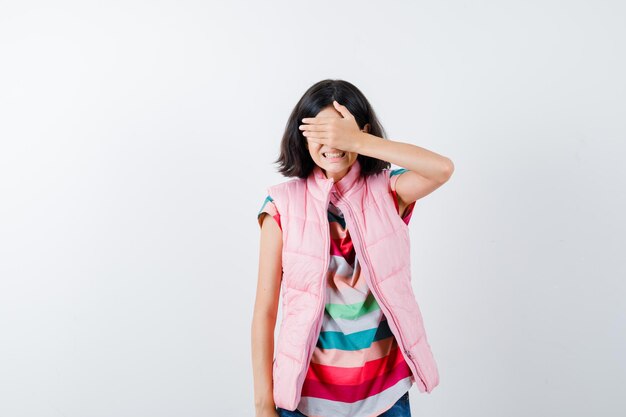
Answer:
(318, 120)
(315, 135)
(313, 128)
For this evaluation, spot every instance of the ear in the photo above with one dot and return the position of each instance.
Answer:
(366, 128)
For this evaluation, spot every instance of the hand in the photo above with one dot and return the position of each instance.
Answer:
(341, 133)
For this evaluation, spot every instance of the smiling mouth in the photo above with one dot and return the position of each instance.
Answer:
(333, 155)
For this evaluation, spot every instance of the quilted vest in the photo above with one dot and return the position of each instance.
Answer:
(381, 240)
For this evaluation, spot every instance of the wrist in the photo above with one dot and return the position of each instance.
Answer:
(363, 141)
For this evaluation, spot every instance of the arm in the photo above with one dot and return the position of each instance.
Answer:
(264, 316)
(427, 170)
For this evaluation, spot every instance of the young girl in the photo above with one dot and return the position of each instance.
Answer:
(351, 342)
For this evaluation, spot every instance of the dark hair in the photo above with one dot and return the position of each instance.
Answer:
(294, 159)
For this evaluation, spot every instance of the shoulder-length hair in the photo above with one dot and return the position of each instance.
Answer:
(294, 159)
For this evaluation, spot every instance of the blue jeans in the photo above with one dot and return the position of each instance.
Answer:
(401, 408)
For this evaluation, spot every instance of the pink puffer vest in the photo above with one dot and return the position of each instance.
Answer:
(381, 241)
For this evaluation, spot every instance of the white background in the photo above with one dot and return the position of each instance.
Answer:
(136, 145)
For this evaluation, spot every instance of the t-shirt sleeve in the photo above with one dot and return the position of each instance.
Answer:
(394, 174)
(268, 207)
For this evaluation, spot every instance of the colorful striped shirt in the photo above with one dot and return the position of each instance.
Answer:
(357, 368)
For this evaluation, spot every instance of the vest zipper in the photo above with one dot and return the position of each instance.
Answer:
(388, 313)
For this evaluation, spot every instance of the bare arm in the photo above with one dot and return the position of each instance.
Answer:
(264, 316)
(427, 170)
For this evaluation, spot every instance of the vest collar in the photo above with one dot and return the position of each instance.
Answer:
(320, 186)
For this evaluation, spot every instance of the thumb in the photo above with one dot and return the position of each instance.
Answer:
(342, 109)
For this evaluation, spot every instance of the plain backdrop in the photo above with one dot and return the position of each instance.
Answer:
(136, 147)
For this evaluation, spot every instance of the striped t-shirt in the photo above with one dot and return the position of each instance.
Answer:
(357, 368)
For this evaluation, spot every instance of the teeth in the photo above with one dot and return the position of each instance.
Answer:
(333, 155)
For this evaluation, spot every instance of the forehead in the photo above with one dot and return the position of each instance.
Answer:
(329, 111)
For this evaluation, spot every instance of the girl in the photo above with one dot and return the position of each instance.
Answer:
(369, 345)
